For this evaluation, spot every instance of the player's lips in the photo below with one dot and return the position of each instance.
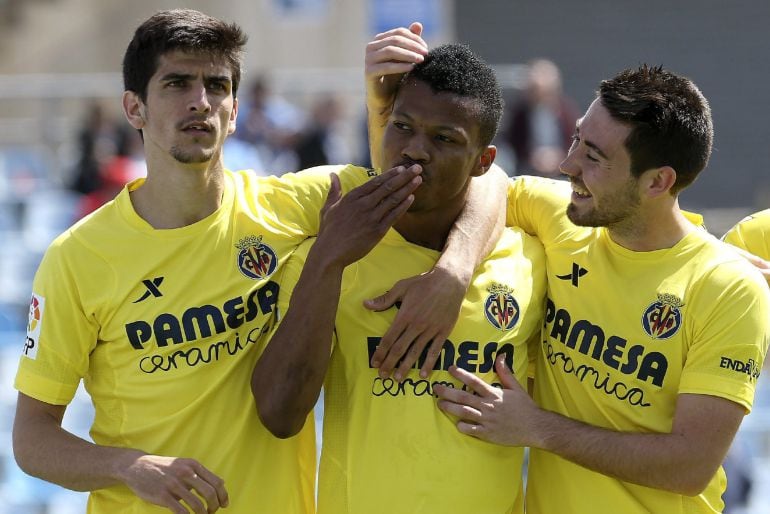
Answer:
(579, 191)
(196, 126)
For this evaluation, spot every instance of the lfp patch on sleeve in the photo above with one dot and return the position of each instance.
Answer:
(36, 308)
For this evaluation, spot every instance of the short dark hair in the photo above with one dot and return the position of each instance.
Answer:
(670, 121)
(454, 68)
(180, 29)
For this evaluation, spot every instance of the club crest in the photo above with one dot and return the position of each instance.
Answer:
(256, 260)
(663, 317)
(501, 308)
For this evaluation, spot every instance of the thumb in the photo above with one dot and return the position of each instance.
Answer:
(504, 372)
(416, 28)
(335, 191)
(384, 301)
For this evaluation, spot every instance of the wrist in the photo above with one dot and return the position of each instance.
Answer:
(378, 104)
(324, 261)
(458, 274)
(545, 429)
(122, 463)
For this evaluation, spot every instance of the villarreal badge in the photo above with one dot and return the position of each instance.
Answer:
(256, 260)
(663, 317)
(501, 308)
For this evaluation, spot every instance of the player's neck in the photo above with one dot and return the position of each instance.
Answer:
(654, 230)
(179, 195)
(429, 229)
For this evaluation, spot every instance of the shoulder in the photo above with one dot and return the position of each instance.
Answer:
(93, 231)
(516, 243)
(752, 229)
(538, 194)
(540, 185)
(721, 266)
(350, 176)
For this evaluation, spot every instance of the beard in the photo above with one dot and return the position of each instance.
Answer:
(194, 156)
(620, 207)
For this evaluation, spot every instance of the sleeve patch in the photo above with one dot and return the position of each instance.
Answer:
(36, 310)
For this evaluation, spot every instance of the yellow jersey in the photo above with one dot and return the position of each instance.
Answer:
(387, 448)
(626, 332)
(164, 327)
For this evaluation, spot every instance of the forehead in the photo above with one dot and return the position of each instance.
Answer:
(191, 63)
(600, 128)
(416, 100)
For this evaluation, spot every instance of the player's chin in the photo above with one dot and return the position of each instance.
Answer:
(580, 216)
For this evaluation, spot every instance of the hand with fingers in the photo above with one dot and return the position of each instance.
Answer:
(181, 485)
(506, 415)
(428, 307)
(353, 224)
(388, 56)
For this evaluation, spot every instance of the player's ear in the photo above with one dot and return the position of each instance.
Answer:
(133, 109)
(658, 181)
(233, 117)
(486, 159)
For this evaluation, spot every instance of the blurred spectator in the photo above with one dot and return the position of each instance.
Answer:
(319, 143)
(238, 154)
(96, 145)
(541, 122)
(271, 124)
(125, 165)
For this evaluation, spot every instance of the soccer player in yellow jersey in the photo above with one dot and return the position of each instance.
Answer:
(751, 235)
(158, 300)
(655, 331)
(386, 448)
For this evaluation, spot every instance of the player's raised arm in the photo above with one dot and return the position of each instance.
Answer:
(389, 56)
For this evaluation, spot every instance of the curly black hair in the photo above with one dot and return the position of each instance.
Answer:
(454, 68)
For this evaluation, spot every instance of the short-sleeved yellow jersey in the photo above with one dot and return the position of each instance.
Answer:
(387, 447)
(626, 332)
(164, 327)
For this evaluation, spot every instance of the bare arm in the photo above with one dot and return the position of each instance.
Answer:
(45, 450)
(388, 56)
(681, 461)
(288, 376)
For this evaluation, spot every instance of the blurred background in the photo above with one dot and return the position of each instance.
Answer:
(65, 148)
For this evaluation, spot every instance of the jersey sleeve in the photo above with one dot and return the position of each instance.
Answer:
(296, 199)
(731, 335)
(61, 333)
(736, 236)
(538, 205)
(752, 234)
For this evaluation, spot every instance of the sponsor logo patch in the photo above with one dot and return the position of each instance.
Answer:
(36, 309)
(749, 367)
